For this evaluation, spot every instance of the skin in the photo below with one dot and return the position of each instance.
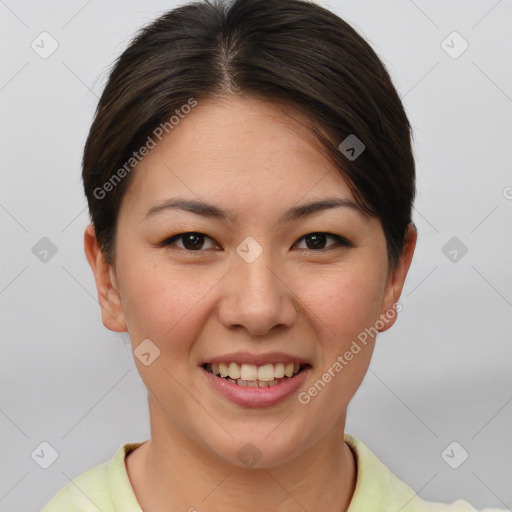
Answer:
(256, 160)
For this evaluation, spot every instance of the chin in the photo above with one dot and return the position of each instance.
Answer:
(270, 448)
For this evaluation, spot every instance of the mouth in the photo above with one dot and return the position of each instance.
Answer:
(250, 375)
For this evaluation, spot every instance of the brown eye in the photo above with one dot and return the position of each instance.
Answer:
(191, 241)
(316, 241)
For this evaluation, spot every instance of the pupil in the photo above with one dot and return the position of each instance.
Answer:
(318, 241)
(193, 241)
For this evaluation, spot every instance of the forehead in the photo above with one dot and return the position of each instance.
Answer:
(241, 151)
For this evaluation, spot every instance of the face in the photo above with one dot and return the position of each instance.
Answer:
(268, 283)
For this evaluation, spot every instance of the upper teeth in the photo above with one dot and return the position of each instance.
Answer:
(251, 372)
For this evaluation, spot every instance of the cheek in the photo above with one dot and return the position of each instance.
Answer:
(161, 304)
(345, 302)
(164, 306)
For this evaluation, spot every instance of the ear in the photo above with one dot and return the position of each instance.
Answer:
(396, 280)
(112, 313)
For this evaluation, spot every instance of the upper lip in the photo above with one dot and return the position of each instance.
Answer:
(256, 359)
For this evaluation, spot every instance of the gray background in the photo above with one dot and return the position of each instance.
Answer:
(441, 374)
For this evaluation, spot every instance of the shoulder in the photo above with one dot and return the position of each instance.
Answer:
(379, 490)
(419, 505)
(104, 487)
(87, 492)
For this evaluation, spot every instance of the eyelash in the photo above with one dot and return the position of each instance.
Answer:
(341, 241)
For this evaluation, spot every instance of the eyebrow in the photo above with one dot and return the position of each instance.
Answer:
(215, 212)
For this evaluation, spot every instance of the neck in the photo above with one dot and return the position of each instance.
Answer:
(170, 472)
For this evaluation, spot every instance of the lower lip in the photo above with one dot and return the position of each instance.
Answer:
(255, 396)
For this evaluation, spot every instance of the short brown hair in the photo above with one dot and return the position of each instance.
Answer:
(286, 51)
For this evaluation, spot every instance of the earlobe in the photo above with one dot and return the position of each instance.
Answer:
(396, 281)
(106, 284)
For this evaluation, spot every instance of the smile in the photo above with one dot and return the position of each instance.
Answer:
(250, 375)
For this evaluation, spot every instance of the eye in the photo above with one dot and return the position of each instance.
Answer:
(191, 241)
(316, 241)
(194, 241)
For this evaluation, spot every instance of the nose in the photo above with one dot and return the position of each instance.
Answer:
(257, 296)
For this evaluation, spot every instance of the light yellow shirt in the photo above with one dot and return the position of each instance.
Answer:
(106, 487)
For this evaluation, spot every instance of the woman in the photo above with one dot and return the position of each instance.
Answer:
(250, 181)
